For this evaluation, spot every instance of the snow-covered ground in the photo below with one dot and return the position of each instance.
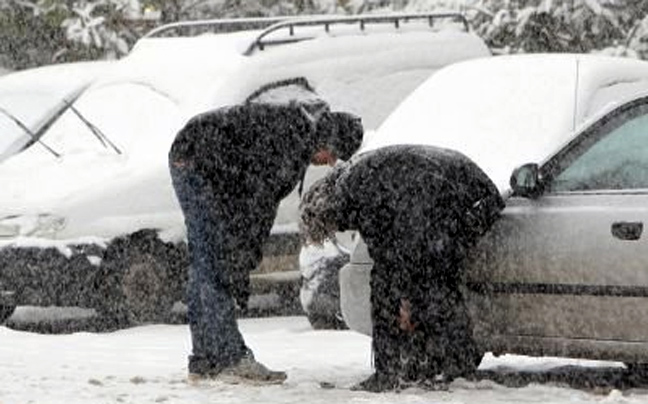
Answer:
(148, 365)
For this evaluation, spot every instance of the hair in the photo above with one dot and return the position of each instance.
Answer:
(339, 131)
(319, 211)
(347, 134)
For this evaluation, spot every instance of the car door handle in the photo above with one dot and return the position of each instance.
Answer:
(627, 230)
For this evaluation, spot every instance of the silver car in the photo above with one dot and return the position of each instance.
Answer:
(564, 272)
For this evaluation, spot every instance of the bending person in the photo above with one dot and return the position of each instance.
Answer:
(230, 169)
(417, 208)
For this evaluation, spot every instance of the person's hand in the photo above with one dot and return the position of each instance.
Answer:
(405, 317)
(324, 157)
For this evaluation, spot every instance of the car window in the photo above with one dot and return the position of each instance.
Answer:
(613, 157)
(13, 137)
(29, 109)
(124, 114)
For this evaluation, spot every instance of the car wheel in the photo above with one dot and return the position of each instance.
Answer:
(144, 289)
(133, 283)
(638, 369)
(5, 312)
(320, 292)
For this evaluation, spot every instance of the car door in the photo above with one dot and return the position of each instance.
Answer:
(573, 262)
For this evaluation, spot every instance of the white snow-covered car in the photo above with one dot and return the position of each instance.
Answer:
(564, 271)
(92, 220)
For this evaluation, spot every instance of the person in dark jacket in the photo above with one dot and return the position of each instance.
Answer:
(418, 209)
(230, 169)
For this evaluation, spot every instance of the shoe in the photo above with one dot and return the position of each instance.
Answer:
(438, 383)
(201, 368)
(248, 370)
(377, 383)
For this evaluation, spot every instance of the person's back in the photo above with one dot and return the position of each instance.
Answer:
(248, 150)
(407, 192)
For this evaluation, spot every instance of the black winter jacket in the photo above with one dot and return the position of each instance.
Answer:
(253, 156)
(248, 150)
(411, 202)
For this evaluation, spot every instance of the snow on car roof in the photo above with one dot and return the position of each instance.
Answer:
(188, 70)
(343, 69)
(52, 78)
(208, 71)
(508, 110)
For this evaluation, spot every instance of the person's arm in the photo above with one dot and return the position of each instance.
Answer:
(484, 211)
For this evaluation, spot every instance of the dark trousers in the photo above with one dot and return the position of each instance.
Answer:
(216, 339)
(442, 338)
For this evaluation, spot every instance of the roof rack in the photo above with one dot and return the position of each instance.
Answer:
(185, 28)
(273, 24)
(361, 19)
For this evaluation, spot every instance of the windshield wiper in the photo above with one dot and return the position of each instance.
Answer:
(56, 115)
(25, 128)
(105, 141)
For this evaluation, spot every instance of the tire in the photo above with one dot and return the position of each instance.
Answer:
(5, 312)
(638, 369)
(144, 286)
(134, 282)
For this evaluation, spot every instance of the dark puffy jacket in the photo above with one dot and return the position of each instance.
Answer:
(409, 202)
(248, 150)
(253, 155)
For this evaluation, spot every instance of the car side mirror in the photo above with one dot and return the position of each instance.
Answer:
(526, 181)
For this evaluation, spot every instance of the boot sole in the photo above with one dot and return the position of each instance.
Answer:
(233, 380)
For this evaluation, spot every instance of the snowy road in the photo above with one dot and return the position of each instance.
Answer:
(148, 365)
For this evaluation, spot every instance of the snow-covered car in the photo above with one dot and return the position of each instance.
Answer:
(564, 271)
(92, 220)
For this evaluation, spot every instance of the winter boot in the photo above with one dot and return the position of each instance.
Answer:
(248, 370)
(202, 368)
(439, 382)
(377, 383)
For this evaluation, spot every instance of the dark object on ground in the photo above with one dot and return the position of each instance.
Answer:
(320, 293)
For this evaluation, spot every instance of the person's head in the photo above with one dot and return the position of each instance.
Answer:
(319, 208)
(339, 135)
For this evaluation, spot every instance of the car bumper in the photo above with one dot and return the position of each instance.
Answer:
(355, 295)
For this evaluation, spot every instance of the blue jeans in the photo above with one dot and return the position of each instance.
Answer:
(216, 339)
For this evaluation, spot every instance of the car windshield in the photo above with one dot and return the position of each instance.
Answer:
(17, 109)
(111, 117)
